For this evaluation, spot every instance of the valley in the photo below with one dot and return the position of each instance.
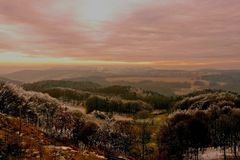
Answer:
(79, 118)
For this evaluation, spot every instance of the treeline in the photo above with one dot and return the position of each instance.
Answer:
(155, 99)
(78, 92)
(124, 92)
(205, 99)
(115, 105)
(67, 94)
(129, 99)
(48, 84)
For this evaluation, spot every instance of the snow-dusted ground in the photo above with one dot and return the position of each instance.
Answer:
(213, 154)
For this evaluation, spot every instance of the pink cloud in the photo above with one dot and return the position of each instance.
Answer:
(184, 30)
(42, 31)
(176, 30)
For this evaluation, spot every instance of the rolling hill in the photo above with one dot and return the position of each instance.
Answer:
(52, 74)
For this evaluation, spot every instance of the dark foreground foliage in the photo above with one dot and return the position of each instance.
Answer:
(200, 121)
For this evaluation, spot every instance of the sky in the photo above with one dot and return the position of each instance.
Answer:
(169, 34)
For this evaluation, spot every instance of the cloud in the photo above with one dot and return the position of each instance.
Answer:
(41, 30)
(184, 30)
(153, 30)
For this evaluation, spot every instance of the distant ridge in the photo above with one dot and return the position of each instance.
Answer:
(3, 79)
(49, 84)
(39, 75)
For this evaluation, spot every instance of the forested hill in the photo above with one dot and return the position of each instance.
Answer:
(34, 125)
(202, 121)
(81, 91)
(22, 140)
(4, 80)
(206, 99)
(44, 85)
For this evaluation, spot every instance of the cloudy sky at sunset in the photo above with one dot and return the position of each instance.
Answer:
(157, 33)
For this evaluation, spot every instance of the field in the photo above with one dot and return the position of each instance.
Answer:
(153, 78)
(177, 85)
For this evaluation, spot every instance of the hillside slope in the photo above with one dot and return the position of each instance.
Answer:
(35, 125)
(20, 139)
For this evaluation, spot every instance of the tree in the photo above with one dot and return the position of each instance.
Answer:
(182, 133)
(145, 137)
(76, 132)
(126, 135)
(235, 129)
(88, 129)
